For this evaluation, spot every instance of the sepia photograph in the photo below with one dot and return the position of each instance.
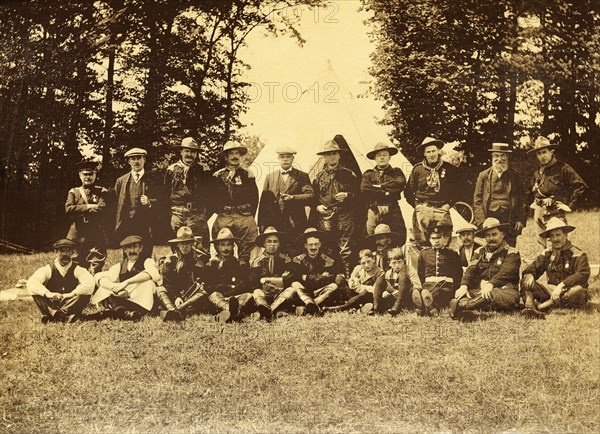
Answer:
(299, 216)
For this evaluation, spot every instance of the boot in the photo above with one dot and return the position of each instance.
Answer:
(263, 307)
(228, 309)
(378, 290)
(281, 298)
(310, 305)
(395, 310)
(171, 313)
(466, 307)
(190, 301)
(530, 311)
(322, 298)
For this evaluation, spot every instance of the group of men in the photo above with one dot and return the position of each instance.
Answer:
(306, 262)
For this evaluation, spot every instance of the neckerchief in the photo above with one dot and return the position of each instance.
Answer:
(433, 178)
(542, 177)
(489, 255)
(185, 169)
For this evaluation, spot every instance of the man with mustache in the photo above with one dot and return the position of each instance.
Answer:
(556, 187)
(468, 246)
(62, 289)
(191, 189)
(236, 199)
(129, 286)
(137, 194)
(567, 269)
(86, 206)
(499, 194)
(491, 280)
(381, 187)
(226, 280)
(432, 188)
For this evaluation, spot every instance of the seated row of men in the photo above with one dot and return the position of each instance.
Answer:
(314, 282)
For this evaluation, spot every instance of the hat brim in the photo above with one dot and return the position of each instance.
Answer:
(260, 239)
(388, 234)
(193, 148)
(181, 240)
(243, 150)
(503, 151)
(234, 239)
(541, 147)
(371, 154)
(437, 143)
(316, 234)
(331, 151)
(566, 229)
(481, 232)
(460, 231)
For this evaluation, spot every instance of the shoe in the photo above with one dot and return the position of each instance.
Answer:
(170, 315)
(427, 298)
(312, 309)
(59, 316)
(531, 313)
(416, 298)
(71, 319)
(234, 307)
(223, 316)
(254, 317)
(393, 312)
(131, 315)
(332, 309)
(265, 312)
(454, 308)
(468, 315)
(45, 319)
(367, 309)
(300, 311)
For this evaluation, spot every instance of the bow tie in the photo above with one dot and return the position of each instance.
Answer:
(286, 172)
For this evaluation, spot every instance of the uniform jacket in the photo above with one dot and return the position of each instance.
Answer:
(196, 187)
(239, 191)
(390, 182)
(442, 262)
(417, 189)
(290, 214)
(148, 185)
(88, 225)
(328, 183)
(229, 277)
(560, 181)
(314, 269)
(569, 265)
(482, 197)
(260, 268)
(500, 269)
(181, 272)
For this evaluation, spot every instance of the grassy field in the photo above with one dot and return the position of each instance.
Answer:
(338, 373)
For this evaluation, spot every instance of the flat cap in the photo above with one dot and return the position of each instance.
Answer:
(133, 152)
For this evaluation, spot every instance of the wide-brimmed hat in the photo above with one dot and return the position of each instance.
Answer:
(330, 146)
(556, 223)
(468, 227)
(131, 239)
(268, 232)
(84, 166)
(491, 223)
(382, 230)
(286, 150)
(231, 145)
(133, 152)
(184, 235)
(382, 147)
(225, 234)
(429, 141)
(310, 232)
(540, 143)
(500, 147)
(64, 242)
(189, 143)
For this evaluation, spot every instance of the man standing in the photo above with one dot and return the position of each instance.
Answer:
(286, 193)
(236, 199)
(191, 191)
(432, 189)
(335, 189)
(268, 271)
(137, 195)
(129, 285)
(183, 278)
(381, 187)
(86, 206)
(226, 280)
(499, 194)
(556, 187)
(62, 289)
(491, 280)
(567, 269)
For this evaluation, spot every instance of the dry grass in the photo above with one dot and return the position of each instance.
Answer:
(339, 373)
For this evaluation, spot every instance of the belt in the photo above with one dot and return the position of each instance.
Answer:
(437, 204)
(236, 209)
(436, 279)
(187, 206)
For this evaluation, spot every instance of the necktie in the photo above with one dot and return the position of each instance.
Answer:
(379, 262)
(271, 265)
(137, 176)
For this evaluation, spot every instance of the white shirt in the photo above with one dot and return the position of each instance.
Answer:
(113, 272)
(141, 173)
(35, 284)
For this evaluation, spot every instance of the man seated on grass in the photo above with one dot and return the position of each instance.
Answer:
(491, 280)
(362, 283)
(226, 280)
(268, 271)
(61, 289)
(381, 241)
(183, 278)
(439, 272)
(468, 245)
(394, 286)
(316, 277)
(129, 286)
(567, 269)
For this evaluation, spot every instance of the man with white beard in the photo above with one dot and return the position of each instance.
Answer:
(499, 194)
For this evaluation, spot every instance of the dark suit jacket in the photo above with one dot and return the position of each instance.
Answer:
(289, 216)
(148, 185)
(482, 197)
